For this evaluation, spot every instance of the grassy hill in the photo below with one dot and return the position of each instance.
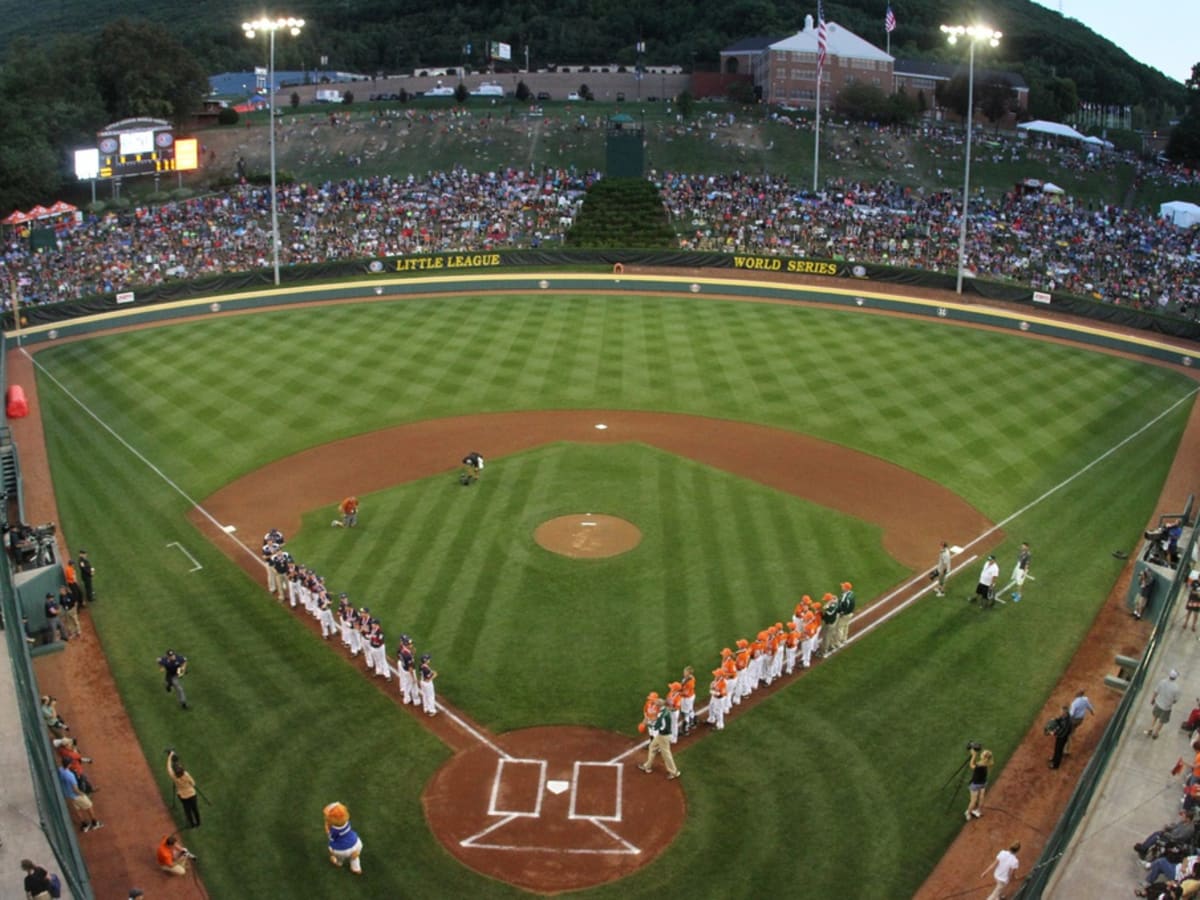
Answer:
(373, 35)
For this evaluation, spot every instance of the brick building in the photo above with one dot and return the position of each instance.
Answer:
(785, 71)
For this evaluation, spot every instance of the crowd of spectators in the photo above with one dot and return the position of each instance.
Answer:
(1114, 254)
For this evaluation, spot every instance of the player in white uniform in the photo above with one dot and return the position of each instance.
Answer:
(326, 610)
(426, 674)
(378, 651)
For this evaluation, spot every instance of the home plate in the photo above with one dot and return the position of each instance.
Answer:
(557, 787)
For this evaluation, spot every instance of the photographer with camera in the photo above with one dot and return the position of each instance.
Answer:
(172, 856)
(980, 763)
(174, 667)
(1061, 727)
(185, 787)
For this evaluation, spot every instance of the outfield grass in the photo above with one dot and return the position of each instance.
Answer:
(846, 765)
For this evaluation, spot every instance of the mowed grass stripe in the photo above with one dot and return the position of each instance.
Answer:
(929, 678)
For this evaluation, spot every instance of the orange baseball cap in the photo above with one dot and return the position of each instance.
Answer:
(742, 643)
(653, 695)
(829, 596)
(846, 585)
(675, 685)
(725, 651)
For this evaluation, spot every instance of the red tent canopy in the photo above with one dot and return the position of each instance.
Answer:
(39, 212)
(61, 208)
(16, 217)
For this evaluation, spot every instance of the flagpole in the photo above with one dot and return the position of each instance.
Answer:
(817, 143)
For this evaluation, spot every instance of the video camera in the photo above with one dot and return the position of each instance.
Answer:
(974, 745)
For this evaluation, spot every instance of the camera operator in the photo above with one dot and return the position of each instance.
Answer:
(1061, 727)
(185, 787)
(980, 763)
(173, 856)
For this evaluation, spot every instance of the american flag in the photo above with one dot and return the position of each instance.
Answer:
(889, 21)
(822, 36)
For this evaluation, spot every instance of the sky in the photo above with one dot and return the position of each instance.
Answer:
(1160, 33)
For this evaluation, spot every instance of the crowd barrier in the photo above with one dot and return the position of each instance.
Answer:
(457, 263)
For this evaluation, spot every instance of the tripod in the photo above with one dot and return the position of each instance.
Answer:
(961, 774)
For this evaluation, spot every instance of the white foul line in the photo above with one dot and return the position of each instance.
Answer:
(195, 564)
(151, 466)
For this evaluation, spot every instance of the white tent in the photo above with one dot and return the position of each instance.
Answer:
(1055, 129)
(1180, 213)
(1051, 188)
(1099, 142)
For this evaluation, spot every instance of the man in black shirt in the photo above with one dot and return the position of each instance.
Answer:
(37, 881)
(174, 667)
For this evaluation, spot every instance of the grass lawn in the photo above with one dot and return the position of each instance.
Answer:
(283, 726)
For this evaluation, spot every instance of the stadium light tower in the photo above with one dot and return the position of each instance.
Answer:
(973, 34)
(252, 29)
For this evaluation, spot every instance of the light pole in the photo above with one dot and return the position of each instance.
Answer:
(270, 26)
(973, 34)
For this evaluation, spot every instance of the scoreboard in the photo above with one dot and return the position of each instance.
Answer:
(137, 147)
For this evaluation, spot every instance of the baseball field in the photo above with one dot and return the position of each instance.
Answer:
(836, 780)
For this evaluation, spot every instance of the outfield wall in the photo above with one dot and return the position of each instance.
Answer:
(838, 271)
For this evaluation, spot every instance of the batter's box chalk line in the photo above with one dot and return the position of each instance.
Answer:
(488, 838)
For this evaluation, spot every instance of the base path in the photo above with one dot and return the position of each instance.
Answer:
(915, 513)
(557, 809)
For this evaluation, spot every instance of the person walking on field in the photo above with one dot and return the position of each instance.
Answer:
(658, 724)
(1165, 696)
(1079, 709)
(174, 667)
(942, 569)
(985, 590)
(1021, 571)
(1002, 868)
(1061, 728)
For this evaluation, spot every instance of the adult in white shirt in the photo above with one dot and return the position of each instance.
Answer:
(1005, 864)
(985, 590)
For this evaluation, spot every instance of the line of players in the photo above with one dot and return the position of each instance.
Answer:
(817, 628)
(359, 631)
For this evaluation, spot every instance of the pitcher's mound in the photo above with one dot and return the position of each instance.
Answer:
(587, 536)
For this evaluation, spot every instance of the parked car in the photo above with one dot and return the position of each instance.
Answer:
(543, 95)
(620, 96)
(574, 95)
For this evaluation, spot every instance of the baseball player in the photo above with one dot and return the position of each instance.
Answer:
(378, 651)
(325, 609)
(426, 673)
(716, 700)
(779, 649)
(674, 704)
(742, 661)
(729, 673)
(792, 646)
(985, 590)
(345, 620)
(344, 843)
(406, 665)
(687, 706)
